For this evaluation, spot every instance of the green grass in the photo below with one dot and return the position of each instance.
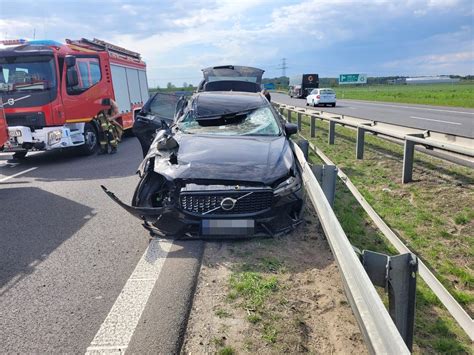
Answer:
(458, 94)
(222, 313)
(253, 287)
(431, 215)
(227, 350)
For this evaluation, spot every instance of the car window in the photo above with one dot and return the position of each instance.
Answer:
(327, 92)
(257, 122)
(314, 92)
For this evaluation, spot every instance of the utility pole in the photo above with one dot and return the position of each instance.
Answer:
(283, 67)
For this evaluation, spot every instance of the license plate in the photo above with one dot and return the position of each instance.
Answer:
(231, 227)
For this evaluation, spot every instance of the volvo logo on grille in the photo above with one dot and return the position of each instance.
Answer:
(228, 204)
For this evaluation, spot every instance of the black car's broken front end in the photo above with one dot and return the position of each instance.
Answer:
(209, 209)
(226, 168)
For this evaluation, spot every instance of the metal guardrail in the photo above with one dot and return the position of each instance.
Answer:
(410, 136)
(453, 307)
(379, 331)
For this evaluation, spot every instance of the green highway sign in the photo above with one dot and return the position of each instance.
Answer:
(353, 79)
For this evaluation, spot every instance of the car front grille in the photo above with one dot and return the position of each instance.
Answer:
(209, 203)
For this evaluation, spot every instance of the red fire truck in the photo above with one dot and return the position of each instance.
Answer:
(52, 92)
(3, 126)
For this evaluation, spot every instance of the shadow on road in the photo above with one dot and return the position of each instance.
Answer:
(30, 232)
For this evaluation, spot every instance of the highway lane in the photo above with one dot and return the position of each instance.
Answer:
(450, 120)
(67, 254)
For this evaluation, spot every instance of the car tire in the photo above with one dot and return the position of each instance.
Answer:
(307, 103)
(333, 105)
(314, 104)
(91, 140)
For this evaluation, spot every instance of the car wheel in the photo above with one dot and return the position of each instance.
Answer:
(333, 105)
(314, 104)
(307, 103)
(91, 140)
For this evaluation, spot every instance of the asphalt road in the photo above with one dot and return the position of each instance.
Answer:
(77, 273)
(450, 120)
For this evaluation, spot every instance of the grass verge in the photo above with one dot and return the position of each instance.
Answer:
(457, 94)
(433, 215)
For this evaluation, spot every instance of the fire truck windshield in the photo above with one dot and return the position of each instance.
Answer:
(27, 73)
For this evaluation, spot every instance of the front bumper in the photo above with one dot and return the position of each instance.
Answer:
(172, 222)
(23, 138)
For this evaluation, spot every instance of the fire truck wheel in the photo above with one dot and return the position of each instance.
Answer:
(19, 155)
(91, 138)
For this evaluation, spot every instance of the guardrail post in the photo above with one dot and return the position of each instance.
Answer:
(313, 126)
(288, 115)
(299, 121)
(402, 294)
(326, 176)
(360, 143)
(408, 156)
(397, 274)
(281, 110)
(332, 132)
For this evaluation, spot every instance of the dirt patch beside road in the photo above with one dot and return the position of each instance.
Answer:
(280, 295)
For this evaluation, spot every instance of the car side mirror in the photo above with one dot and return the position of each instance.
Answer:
(70, 61)
(290, 129)
(106, 102)
(71, 78)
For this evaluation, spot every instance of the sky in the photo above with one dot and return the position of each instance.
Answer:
(329, 37)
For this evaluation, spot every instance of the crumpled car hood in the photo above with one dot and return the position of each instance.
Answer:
(251, 159)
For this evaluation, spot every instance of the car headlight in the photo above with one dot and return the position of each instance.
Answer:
(290, 185)
(54, 137)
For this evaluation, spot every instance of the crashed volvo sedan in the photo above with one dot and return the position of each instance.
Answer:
(224, 168)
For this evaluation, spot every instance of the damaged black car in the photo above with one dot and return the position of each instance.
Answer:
(224, 167)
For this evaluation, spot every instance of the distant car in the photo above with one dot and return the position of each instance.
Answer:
(321, 97)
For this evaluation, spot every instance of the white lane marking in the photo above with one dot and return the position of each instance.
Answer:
(116, 332)
(18, 174)
(416, 108)
(431, 119)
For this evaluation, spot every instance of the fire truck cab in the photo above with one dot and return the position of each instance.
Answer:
(53, 92)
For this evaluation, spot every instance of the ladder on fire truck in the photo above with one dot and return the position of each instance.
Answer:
(99, 45)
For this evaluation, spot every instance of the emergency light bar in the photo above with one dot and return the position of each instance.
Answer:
(12, 42)
(38, 42)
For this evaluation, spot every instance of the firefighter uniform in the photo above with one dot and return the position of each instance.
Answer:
(110, 133)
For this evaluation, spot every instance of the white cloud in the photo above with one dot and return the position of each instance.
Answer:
(434, 64)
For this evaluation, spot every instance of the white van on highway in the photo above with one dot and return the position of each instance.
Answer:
(323, 96)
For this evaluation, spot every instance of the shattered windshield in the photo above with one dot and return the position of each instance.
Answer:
(256, 122)
(31, 73)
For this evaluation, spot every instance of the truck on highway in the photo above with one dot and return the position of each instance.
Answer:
(3, 126)
(301, 85)
(53, 92)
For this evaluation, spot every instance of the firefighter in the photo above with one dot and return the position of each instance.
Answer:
(110, 130)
